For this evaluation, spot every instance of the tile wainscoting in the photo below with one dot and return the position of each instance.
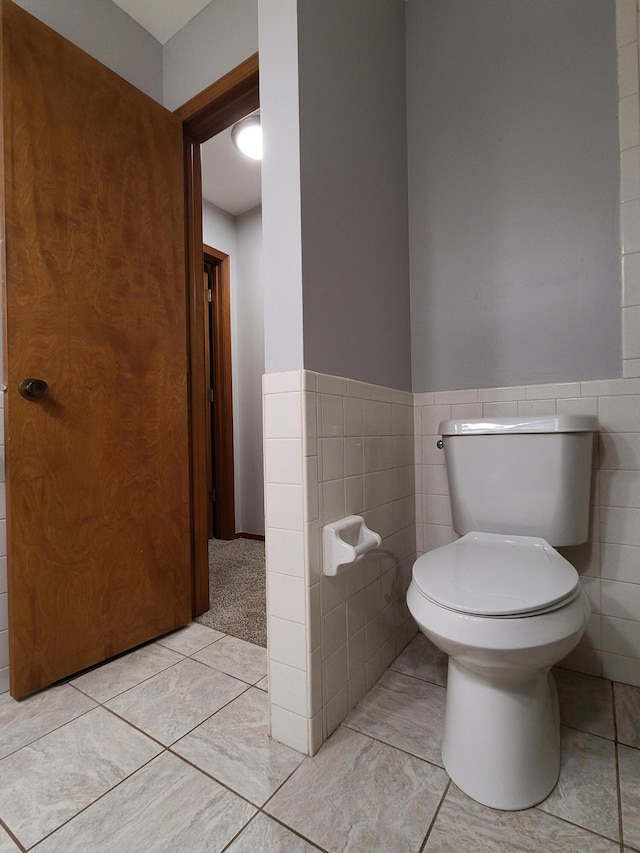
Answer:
(333, 447)
(609, 562)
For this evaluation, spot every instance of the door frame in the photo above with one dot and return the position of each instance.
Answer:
(220, 431)
(219, 106)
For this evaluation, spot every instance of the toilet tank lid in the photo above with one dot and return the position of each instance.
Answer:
(519, 424)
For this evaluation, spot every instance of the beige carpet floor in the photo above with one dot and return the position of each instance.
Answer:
(237, 590)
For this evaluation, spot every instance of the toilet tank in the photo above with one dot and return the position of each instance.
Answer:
(529, 476)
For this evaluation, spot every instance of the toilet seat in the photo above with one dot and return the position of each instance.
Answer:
(489, 574)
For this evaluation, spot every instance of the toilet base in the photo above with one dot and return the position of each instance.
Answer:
(501, 741)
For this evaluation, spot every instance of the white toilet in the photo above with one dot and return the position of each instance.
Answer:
(502, 603)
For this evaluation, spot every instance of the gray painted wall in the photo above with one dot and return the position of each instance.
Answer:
(240, 237)
(222, 36)
(108, 34)
(354, 189)
(513, 192)
(249, 329)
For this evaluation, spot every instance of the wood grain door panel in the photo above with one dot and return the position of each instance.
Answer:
(99, 551)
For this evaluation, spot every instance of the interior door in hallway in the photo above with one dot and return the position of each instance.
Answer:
(99, 550)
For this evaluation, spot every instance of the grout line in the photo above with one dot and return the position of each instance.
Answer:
(13, 837)
(618, 783)
(619, 798)
(97, 799)
(435, 816)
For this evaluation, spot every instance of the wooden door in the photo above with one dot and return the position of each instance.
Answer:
(98, 520)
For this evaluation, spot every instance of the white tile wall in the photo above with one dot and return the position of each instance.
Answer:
(610, 562)
(334, 447)
(629, 133)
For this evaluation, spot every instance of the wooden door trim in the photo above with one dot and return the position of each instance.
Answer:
(222, 427)
(216, 108)
(224, 102)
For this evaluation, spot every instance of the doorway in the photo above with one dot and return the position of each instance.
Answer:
(232, 416)
(208, 113)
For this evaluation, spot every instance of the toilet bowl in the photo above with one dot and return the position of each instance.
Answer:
(505, 609)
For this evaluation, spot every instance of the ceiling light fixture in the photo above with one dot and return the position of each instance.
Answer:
(247, 136)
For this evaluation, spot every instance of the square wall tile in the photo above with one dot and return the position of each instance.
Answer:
(620, 525)
(536, 407)
(621, 668)
(352, 416)
(336, 672)
(284, 506)
(631, 274)
(630, 218)
(314, 618)
(621, 637)
(631, 367)
(279, 383)
(334, 385)
(288, 688)
(577, 406)
(330, 416)
(283, 415)
(287, 642)
(332, 506)
(621, 599)
(620, 562)
(620, 414)
(626, 22)
(500, 410)
(283, 460)
(334, 629)
(628, 122)
(331, 452)
(628, 69)
(287, 597)
(631, 331)
(285, 551)
(289, 728)
(620, 488)
(630, 174)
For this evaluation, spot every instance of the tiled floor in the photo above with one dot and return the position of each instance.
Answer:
(165, 749)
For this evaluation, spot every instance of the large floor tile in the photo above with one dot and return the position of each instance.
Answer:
(174, 701)
(586, 702)
(404, 712)
(30, 719)
(234, 747)
(629, 766)
(586, 792)
(359, 794)
(423, 660)
(190, 639)
(165, 807)
(6, 843)
(627, 699)
(236, 657)
(52, 779)
(464, 826)
(106, 681)
(264, 835)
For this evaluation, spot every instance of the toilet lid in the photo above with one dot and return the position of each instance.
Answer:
(490, 574)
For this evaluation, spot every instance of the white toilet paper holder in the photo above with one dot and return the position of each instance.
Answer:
(345, 542)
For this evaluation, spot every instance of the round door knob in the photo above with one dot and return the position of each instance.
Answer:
(33, 389)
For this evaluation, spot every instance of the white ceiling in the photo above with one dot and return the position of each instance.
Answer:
(162, 18)
(229, 179)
